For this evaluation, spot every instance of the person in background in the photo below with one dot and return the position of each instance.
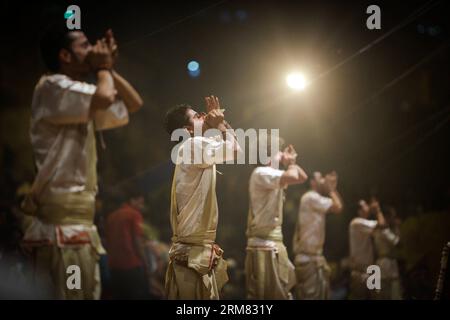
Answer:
(312, 270)
(386, 240)
(269, 272)
(362, 250)
(125, 245)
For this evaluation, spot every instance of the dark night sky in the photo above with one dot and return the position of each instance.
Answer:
(385, 145)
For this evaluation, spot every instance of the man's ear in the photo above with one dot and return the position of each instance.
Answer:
(65, 56)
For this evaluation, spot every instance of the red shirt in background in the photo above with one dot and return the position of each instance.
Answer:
(122, 226)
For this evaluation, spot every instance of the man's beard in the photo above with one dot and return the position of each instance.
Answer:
(82, 68)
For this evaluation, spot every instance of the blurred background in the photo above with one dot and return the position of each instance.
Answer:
(379, 117)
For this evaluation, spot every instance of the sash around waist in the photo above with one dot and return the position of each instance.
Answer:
(200, 257)
(266, 233)
(199, 238)
(69, 208)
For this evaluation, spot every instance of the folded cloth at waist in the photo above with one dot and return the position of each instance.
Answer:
(37, 233)
(200, 257)
(306, 257)
(267, 232)
(261, 244)
(62, 208)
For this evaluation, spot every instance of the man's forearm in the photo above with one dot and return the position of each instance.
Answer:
(381, 220)
(337, 202)
(229, 134)
(127, 93)
(302, 174)
(105, 93)
(292, 175)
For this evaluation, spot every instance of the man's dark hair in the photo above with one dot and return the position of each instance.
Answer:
(176, 117)
(312, 176)
(55, 38)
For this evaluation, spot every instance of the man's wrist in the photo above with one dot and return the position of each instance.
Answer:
(222, 127)
(332, 191)
(101, 68)
(227, 125)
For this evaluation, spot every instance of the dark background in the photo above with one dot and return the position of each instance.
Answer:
(384, 132)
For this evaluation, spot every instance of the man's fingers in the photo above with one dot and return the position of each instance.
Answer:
(101, 44)
(217, 103)
(208, 105)
(214, 102)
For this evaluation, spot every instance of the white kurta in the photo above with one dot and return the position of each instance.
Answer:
(62, 137)
(193, 181)
(193, 218)
(309, 237)
(62, 199)
(269, 272)
(266, 200)
(59, 130)
(362, 252)
(385, 241)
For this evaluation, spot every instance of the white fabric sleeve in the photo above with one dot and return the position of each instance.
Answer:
(115, 116)
(320, 203)
(366, 226)
(268, 177)
(390, 236)
(213, 150)
(63, 100)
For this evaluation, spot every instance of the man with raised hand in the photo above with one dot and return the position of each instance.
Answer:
(66, 110)
(196, 269)
(269, 272)
(311, 266)
(362, 249)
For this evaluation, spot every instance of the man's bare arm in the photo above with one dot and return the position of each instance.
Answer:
(100, 60)
(331, 180)
(125, 90)
(215, 119)
(294, 173)
(127, 93)
(337, 205)
(105, 93)
(380, 216)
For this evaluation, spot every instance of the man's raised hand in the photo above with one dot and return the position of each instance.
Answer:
(112, 44)
(331, 180)
(289, 155)
(212, 102)
(214, 117)
(100, 56)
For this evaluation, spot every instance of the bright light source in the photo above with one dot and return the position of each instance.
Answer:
(193, 66)
(296, 81)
